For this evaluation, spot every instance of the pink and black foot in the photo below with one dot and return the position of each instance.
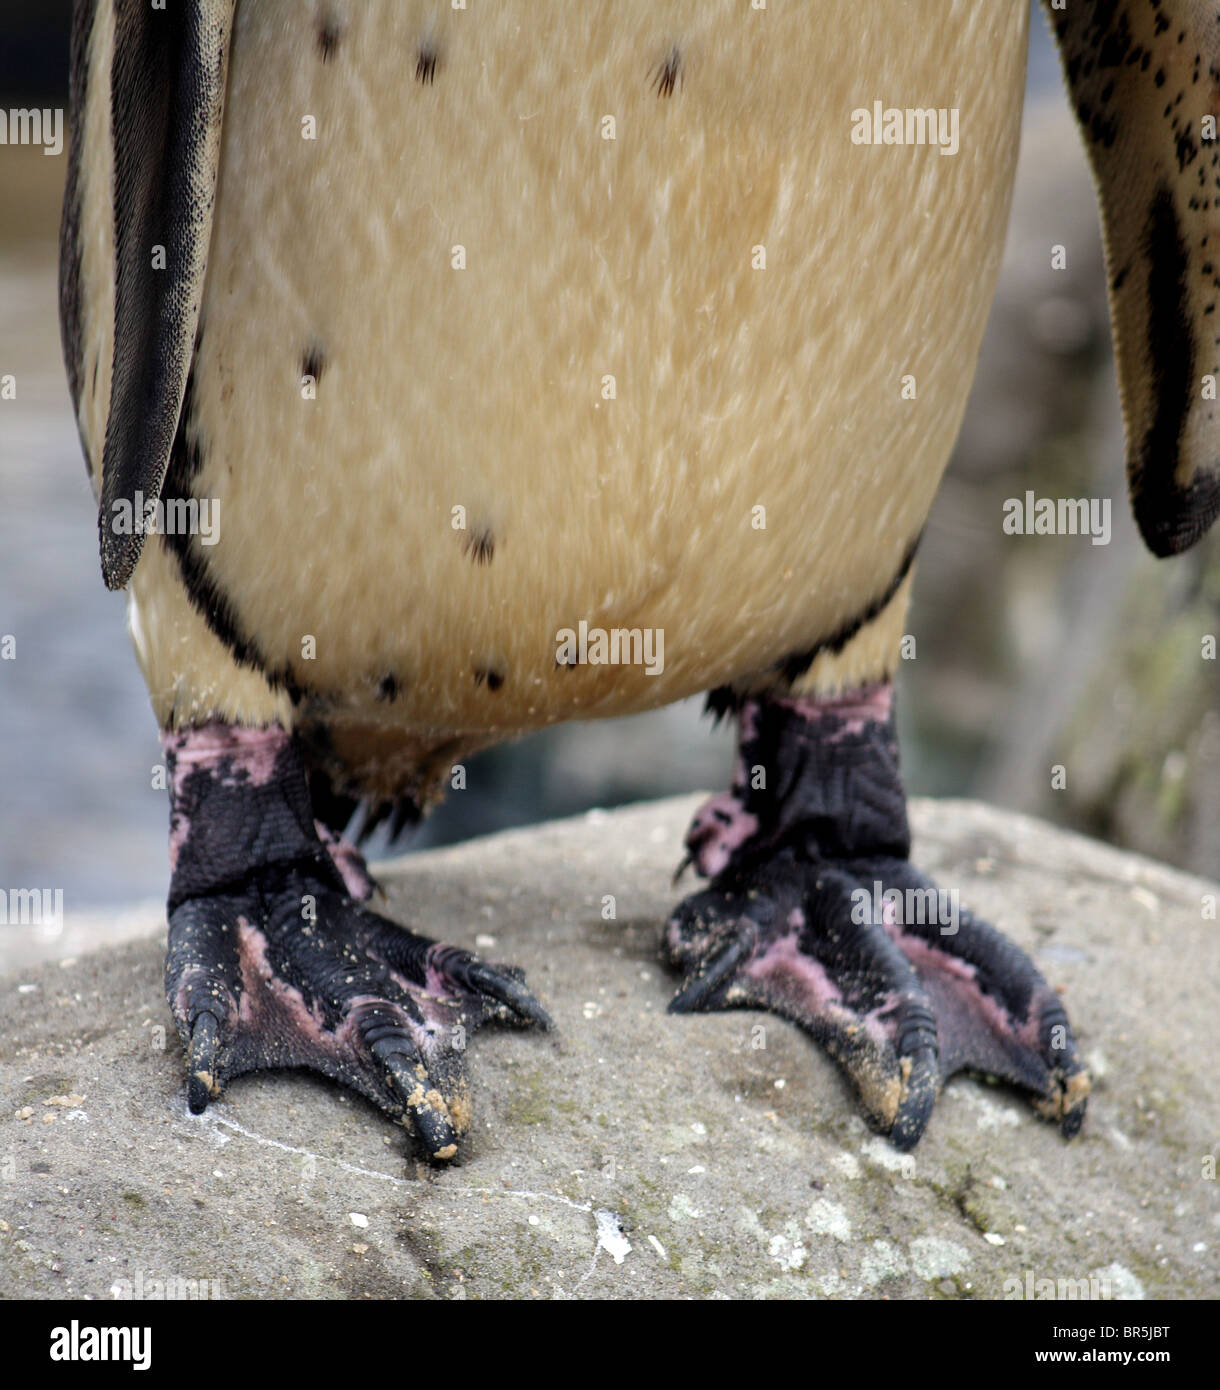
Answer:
(274, 962)
(815, 913)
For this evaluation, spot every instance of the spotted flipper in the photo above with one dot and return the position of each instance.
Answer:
(1145, 82)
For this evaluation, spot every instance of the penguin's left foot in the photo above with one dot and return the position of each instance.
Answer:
(815, 913)
(274, 961)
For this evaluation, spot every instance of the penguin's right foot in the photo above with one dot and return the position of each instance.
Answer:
(274, 962)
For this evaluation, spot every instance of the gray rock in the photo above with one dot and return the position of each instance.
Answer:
(633, 1154)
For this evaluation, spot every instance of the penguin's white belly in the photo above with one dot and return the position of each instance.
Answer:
(585, 350)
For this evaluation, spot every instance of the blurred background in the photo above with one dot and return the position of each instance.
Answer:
(1030, 651)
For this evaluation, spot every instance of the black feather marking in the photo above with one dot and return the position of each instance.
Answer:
(425, 64)
(793, 667)
(387, 687)
(480, 546)
(332, 807)
(313, 363)
(725, 700)
(668, 73)
(186, 459)
(329, 34)
(493, 679)
(721, 701)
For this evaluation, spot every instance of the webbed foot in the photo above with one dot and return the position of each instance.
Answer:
(273, 963)
(815, 914)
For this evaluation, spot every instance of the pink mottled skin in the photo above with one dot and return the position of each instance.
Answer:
(179, 829)
(256, 982)
(257, 975)
(962, 979)
(359, 883)
(252, 751)
(436, 982)
(960, 976)
(901, 1002)
(426, 1037)
(258, 978)
(784, 958)
(805, 981)
(721, 826)
(871, 704)
(747, 729)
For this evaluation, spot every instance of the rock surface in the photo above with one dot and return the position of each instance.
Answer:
(634, 1154)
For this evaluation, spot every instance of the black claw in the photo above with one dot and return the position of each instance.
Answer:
(434, 1132)
(706, 984)
(423, 1106)
(1069, 1126)
(923, 1086)
(512, 992)
(1071, 1087)
(502, 983)
(202, 1084)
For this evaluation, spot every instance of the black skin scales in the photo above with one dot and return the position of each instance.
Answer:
(272, 963)
(900, 1007)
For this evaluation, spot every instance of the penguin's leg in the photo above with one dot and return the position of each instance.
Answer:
(274, 962)
(815, 913)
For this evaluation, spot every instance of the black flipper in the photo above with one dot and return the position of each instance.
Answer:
(167, 86)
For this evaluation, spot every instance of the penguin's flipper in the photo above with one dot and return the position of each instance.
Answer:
(1144, 80)
(815, 913)
(273, 963)
(167, 85)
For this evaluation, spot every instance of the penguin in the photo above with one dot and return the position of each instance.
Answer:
(445, 371)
